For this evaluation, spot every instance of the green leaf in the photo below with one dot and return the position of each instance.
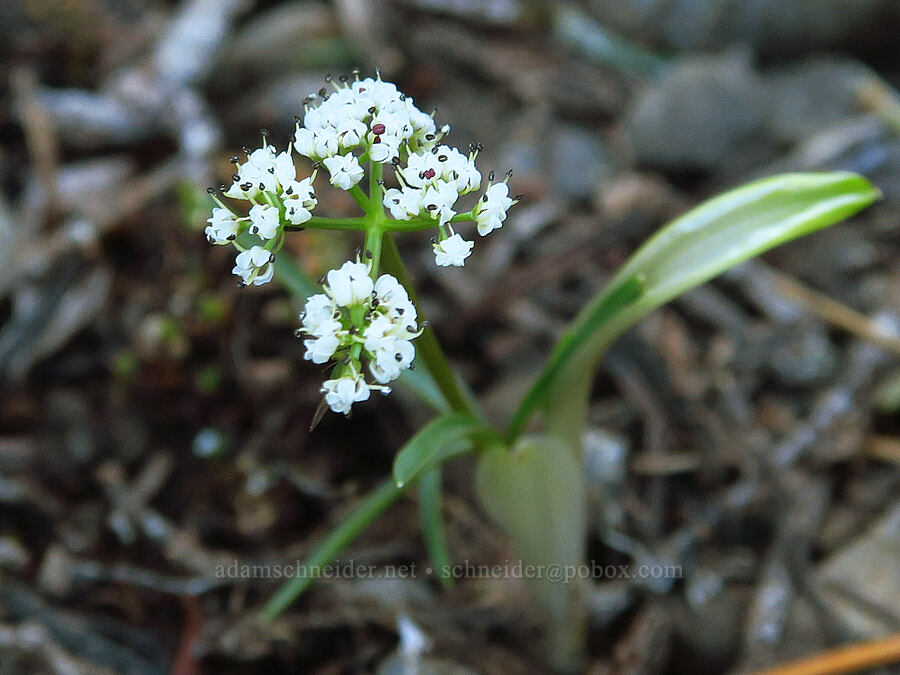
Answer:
(430, 498)
(536, 492)
(706, 241)
(626, 293)
(437, 441)
(359, 517)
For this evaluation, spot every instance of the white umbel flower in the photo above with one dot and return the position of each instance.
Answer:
(351, 284)
(492, 207)
(344, 169)
(223, 226)
(452, 251)
(341, 393)
(255, 266)
(357, 319)
(264, 221)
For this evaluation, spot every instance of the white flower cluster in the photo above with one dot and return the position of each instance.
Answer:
(372, 120)
(268, 180)
(357, 317)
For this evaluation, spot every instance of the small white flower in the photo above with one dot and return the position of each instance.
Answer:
(452, 251)
(345, 171)
(305, 142)
(351, 284)
(318, 310)
(255, 266)
(438, 200)
(322, 348)
(391, 360)
(343, 392)
(350, 132)
(492, 207)
(299, 200)
(223, 226)
(403, 203)
(264, 221)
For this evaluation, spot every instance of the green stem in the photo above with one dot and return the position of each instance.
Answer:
(360, 197)
(427, 345)
(360, 516)
(433, 525)
(317, 223)
(374, 237)
(417, 224)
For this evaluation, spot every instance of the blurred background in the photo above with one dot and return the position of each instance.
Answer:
(154, 417)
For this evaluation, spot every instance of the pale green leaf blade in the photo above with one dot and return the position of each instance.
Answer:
(701, 244)
(426, 448)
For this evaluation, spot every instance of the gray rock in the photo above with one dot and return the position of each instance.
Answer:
(579, 162)
(770, 26)
(704, 112)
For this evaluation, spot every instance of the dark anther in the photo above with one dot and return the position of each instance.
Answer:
(234, 159)
(484, 198)
(241, 284)
(210, 239)
(368, 254)
(343, 78)
(235, 177)
(264, 132)
(400, 311)
(223, 187)
(231, 237)
(479, 147)
(412, 366)
(353, 330)
(329, 77)
(272, 170)
(410, 329)
(321, 281)
(519, 197)
(509, 174)
(322, 92)
(210, 191)
(395, 161)
(297, 118)
(290, 190)
(245, 150)
(398, 356)
(377, 139)
(424, 324)
(272, 258)
(434, 240)
(298, 332)
(434, 150)
(491, 175)
(262, 187)
(429, 137)
(380, 181)
(402, 97)
(246, 187)
(355, 72)
(337, 314)
(431, 207)
(442, 158)
(375, 303)
(372, 110)
(254, 230)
